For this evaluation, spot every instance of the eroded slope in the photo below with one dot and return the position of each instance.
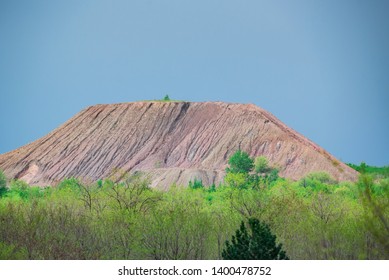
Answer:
(172, 141)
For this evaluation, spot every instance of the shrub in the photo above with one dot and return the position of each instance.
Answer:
(322, 177)
(20, 188)
(317, 180)
(197, 184)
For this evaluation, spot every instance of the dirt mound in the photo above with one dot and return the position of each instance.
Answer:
(172, 141)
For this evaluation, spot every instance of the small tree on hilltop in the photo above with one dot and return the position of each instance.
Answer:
(166, 98)
(259, 244)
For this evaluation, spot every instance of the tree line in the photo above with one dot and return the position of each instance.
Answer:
(313, 218)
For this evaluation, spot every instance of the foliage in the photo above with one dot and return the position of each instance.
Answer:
(71, 183)
(272, 176)
(21, 189)
(375, 171)
(3, 183)
(166, 98)
(321, 177)
(319, 180)
(179, 227)
(259, 244)
(196, 184)
(376, 215)
(10, 252)
(244, 172)
(236, 180)
(123, 218)
(261, 165)
(240, 162)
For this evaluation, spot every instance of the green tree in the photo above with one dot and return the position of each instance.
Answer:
(376, 208)
(3, 183)
(259, 244)
(261, 165)
(236, 180)
(166, 98)
(240, 162)
(273, 175)
(363, 167)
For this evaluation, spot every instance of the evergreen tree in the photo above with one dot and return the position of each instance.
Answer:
(259, 245)
(166, 98)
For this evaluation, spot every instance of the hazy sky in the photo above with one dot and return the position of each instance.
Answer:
(321, 67)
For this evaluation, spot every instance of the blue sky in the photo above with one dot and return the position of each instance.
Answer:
(321, 67)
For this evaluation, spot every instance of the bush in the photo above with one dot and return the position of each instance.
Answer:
(197, 184)
(322, 177)
(19, 188)
(317, 180)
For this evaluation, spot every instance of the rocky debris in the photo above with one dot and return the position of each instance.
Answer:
(173, 142)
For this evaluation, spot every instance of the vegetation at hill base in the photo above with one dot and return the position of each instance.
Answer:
(375, 171)
(313, 218)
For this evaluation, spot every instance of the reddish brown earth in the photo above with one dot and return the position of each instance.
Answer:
(172, 141)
